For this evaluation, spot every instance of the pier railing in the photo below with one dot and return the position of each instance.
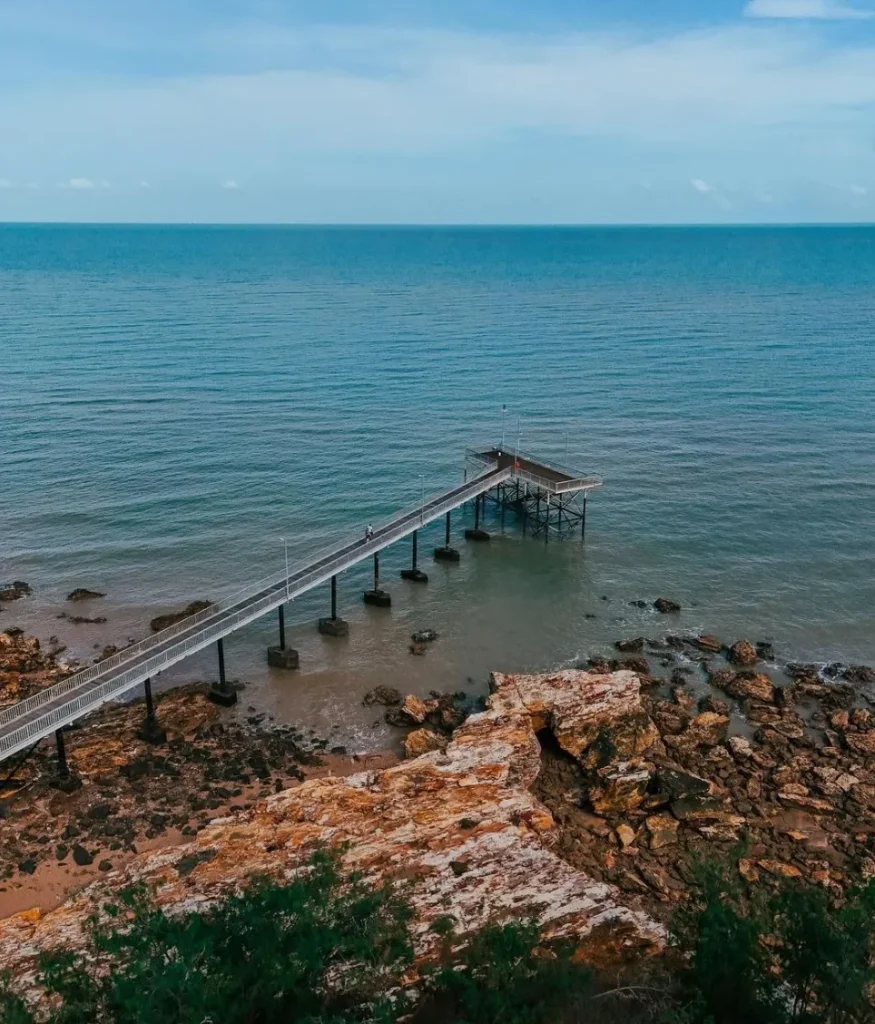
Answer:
(572, 485)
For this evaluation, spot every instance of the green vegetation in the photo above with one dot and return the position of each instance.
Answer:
(328, 947)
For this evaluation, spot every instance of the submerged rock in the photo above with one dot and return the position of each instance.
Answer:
(388, 696)
(83, 594)
(666, 607)
(15, 591)
(171, 618)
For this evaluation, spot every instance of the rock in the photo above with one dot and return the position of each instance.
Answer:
(386, 695)
(82, 594)
(750, 686)
(418, 649)
(707, 729)
(421, 741)
(859, 674)
(747, 870)
(407, 817)
(81, 856)
(711, 703)
(779, 868)
(708, 643)
(15, 591)
(625, 836)
(742, 653)
(424, 636)
(740, 747)
(415, 709)
(633, 646)
(161, 622)
(105, 865)
(666, 607)
(621, 787)
(663, 830)
(765, 651)
(597, 718)
(635, 663)
(674, 784)
(634, 604)
(862, 743)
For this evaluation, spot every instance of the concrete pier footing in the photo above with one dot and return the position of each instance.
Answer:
(447, 554)
(378, 598)
(225, 698)
(152, 732)
(476, 534)
(333, 627)
(414, 575)
(283, 657)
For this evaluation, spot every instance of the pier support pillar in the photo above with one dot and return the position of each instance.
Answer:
(377, 597)
(63, 767)
(583, 519)
(333, 626)
(476, 533)
(150, 731)
(446, 553)
(414, 573)
(282, 656)
(221, 693)
(65, 780)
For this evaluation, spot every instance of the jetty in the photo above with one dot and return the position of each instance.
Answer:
(546, 496)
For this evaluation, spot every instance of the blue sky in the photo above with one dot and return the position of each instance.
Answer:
(594, 111)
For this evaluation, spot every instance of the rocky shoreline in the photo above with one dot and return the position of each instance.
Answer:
(623, 770)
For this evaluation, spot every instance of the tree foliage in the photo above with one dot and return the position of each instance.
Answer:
(795, 955)
(327, 947)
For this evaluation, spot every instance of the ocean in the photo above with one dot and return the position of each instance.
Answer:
(177, 400)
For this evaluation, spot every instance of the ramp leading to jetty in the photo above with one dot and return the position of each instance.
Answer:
(47, 712)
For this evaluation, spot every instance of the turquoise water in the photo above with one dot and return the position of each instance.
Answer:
(176, 400)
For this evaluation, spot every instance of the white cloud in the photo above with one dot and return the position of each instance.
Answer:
(816, 10)
(79, 183)
(145, 184)
(377, 111)
(859, 190)
(5, 183)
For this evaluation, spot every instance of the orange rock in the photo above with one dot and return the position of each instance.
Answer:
(407, 818)
(779, 868)
(421, 741)
(747, 870)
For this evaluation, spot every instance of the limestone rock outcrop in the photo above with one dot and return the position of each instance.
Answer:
(470, 803)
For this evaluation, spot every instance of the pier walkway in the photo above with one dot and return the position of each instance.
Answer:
(47, 712)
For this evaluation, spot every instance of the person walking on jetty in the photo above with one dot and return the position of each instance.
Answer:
(369, 533)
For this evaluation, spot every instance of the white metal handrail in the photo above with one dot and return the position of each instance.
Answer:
(588, 483)
(274, 591)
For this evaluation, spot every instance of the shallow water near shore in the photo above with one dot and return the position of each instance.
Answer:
(177, 400)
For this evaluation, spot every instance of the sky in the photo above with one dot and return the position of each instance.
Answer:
(437, 111)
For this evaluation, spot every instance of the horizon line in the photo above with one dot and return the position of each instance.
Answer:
(440, 225)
